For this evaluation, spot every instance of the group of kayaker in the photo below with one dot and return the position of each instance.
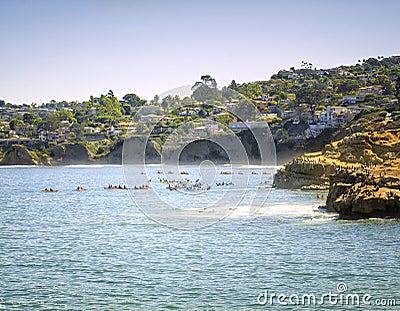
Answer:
(241, 173)
(223, 183)
(49, 190)
(170, 173)
(188, 185)
(115, 187)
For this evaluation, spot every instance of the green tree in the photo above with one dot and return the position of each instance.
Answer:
(134, 100)
(348, 86)
(397, 91)
(385, 82)
(225, 119)
(77, 129)
(111, 107)
(51, 122)
(28, 118)
(251, 90)
(169, 101)
(206, 90)
(65, 115)
(311, 94)
(127, 109)
(15, 123)
(233, 85)
(208, 80)
(155, 100)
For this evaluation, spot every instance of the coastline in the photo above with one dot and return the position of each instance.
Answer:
(361, 172)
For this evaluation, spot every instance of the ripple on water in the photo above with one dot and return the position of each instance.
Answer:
(95, 250)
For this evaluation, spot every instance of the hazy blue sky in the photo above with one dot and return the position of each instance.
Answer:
(73, 49)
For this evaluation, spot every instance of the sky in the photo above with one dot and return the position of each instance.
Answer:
(72, 49)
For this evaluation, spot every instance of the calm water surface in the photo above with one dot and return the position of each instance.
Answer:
(96, 251)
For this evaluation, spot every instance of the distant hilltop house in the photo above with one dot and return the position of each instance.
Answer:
(333, 71)
(392, 104)
(5, 143)
(90, 129)
(293, 76)
(151, 118)
(54, 137)
(362, 92)
(332, 117)
(231, 106)
(188, 112)
(353, 99)
(204, 129)
(370, 90)
(93, 133)
(323, 73)
(114, 131)
(125, 126)
(5, 126)
(281, 113)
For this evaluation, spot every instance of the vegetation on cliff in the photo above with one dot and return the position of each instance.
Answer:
(296, 103)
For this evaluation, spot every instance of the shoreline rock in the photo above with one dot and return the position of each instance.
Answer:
(18, 155)
(362, 171)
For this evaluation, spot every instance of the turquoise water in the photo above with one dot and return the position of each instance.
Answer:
(96, 251)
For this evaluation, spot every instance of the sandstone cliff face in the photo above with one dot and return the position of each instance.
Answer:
(69, 154)
(303, 172)
(202, 150)
(356, 195)
(362, 171)
(131, 151)
(18, 155)
(364, 201)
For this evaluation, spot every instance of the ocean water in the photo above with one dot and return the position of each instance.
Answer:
(95, 250)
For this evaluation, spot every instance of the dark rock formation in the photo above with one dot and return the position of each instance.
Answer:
(70, 154)
(133, 150)
(18, 155)
(301, 173)
(202, 150)
(362, 171)
(369, 198)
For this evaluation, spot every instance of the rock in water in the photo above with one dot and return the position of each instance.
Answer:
(363, 172)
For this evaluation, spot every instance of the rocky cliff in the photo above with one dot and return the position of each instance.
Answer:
(69, 154)
(361, 170)
(18, 155)
(131, 151)
(308, 171)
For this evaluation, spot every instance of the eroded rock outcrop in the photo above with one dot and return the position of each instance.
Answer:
(368, 202)
(70, 154)
(304, 172)
(18, 155)
(362, 171)
(131, 151)
(371, 195)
